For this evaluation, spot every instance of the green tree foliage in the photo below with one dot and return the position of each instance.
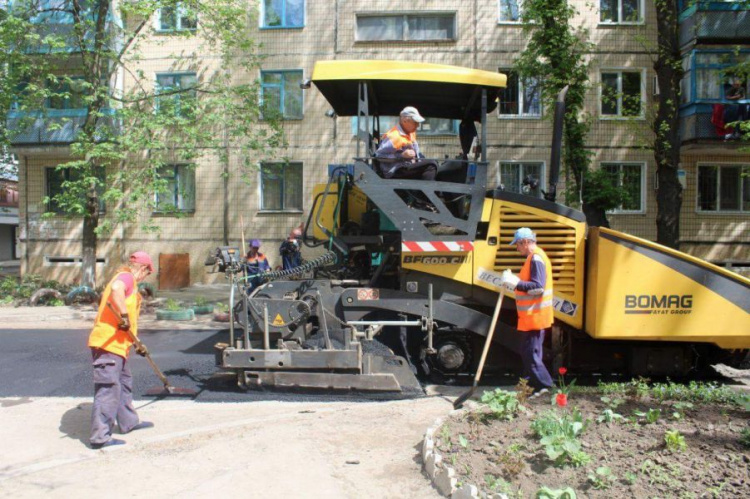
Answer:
(132, 130)
(556, 54)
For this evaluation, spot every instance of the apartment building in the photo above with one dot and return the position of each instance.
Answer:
(485, 34)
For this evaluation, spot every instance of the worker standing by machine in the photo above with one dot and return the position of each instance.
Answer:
(289, 250)
(255, 264)
(533, 289)
(110, 344)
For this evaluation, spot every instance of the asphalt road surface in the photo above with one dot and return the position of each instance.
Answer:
(57, 363)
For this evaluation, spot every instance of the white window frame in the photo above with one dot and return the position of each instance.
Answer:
(620, 116)
(644, 176)
(178, 28)
(405, 15)
(640, 22)
(520, 115)
(510, 22)
(301, 209)
(542, 179)
(717, 212)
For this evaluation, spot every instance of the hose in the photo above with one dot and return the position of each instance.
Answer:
(326, 258)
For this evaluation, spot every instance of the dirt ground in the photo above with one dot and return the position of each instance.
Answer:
(506, 454)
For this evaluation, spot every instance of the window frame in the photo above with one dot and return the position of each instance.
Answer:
(405, 18)
(283, 209)
(642, 73)
(641, 21)
(643, 191)
(692, 69)
(282, 100)
(510, 22)
(719, 212)
(66, 175)
(393, 121)
(519, 116)
(178, 197)
(64, 111)
(179, 96)
(179, 15)
(262, 17)
(542, 177)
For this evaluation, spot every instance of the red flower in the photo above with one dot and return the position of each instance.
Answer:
(561, 399)
(563, 370)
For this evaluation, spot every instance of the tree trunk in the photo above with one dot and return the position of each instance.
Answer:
(90, 241)
(666, 126)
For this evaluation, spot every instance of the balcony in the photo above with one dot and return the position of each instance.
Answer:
(714, 22)
(697, 123)
(52, 127)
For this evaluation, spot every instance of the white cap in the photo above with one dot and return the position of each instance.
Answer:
(411, 112)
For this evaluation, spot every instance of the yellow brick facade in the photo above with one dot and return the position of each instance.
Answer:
(317, 140)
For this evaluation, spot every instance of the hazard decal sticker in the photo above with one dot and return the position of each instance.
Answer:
(278, 321)
(564, 306)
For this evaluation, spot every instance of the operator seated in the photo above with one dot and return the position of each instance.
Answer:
(398, 153)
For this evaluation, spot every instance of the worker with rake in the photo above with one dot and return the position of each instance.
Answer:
(110, 344)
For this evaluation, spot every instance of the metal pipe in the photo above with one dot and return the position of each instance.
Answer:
(231, 311)
(266, 338)
(429, 319)
(385, 323)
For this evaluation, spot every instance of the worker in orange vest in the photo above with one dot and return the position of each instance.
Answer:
(255, 263)
(534, 304)
(110, 347)
(399, 150)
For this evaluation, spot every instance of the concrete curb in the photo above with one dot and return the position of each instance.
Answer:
(442, 476)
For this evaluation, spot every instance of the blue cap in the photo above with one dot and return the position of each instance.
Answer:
(255, 243)
(523, 233)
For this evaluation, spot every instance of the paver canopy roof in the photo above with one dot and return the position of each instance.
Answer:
(436, 90)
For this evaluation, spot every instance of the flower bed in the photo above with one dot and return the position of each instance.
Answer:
(618, 440)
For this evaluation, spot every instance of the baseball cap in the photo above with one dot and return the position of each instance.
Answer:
(523, 233)
(412, 113)
(255, 243)
(142, 257)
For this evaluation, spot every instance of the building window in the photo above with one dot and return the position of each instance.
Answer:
(708, 75)
(176, 189)
(180, 90)
(621, 11)
(283, 14)
(281, 187)
(631, 177)
(724, 188)
(521, 97)
(58, 190)
(406, 27)
(621, 94)
(176, 18)
(510, 11)
(522, 177)
(281, 94)
(57, 11)
(66, 93)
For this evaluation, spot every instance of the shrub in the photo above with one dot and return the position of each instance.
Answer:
(172, 305)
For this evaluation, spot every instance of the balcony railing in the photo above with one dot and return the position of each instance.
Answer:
(703, 122)
(715, 22)
(52, 127)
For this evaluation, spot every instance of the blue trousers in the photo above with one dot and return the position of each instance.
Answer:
(534, 369)
(113, 396)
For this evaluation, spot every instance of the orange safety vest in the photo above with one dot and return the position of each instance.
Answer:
(398, 139)
(535, 311)
(105, 334)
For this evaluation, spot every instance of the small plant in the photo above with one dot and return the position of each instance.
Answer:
(674, 440)
(610, 416)
(652, 415)
(200, 301)
(502, 404)
(221, 307)
(602, 478)
(511, 461)
(680, 408)
(548, 493)
(745, 438)
(612, 402)
(172, 305)
(631, 477)
(498, 484)
(561, 397)
(463, 441)
(445, 437)
(559, 436)
(523, 390)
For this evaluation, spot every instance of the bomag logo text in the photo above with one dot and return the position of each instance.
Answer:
(435, 260)
(658, 304)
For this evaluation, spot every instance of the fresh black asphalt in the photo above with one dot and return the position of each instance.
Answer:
(57, 363)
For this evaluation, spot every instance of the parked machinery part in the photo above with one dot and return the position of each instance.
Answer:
(453, 352)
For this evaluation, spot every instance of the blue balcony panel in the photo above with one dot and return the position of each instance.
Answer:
(53, 128)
